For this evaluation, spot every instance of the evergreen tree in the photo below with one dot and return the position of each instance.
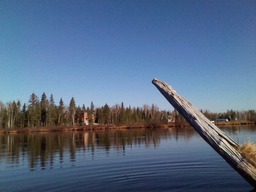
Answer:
(61, 112)
(139, 115)
(135, 116)
(44, 108)
(99, 116)
(72, 110)
(106, 114)
(92, 111)
(52, 112)
(24, 117)
(128, 115)
(78, 115)
(122, 114)
(34, 110)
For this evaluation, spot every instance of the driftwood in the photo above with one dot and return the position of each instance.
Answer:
(221, 143)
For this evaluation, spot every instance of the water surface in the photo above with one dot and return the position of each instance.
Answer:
(124, 160)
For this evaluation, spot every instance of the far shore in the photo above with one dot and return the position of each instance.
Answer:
(98, 127)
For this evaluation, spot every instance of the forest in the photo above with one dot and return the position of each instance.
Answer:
(44, 112)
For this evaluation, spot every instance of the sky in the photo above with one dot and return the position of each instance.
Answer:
(105, 51)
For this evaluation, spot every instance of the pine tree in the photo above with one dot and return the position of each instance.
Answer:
(122, 114)
(99, 115)
(61, 112)
(91, 119)
(78, 115)
(44, 108)
(34, 111)
(24, 116)
(92, 108)
(72, 110)
(128, 115)
(106, 114)
(52, 112)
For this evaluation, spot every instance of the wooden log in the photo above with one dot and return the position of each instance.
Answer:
(217, 139)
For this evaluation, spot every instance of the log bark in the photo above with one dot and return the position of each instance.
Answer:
(217, 139)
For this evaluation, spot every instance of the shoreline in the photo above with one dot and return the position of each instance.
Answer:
(77, 128)
(111, 127)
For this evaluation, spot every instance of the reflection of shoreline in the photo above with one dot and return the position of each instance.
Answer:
(43, 149)
(40, 148)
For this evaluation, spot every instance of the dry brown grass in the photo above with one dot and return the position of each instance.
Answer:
(248, 151)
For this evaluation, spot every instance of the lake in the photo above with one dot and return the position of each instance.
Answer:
(174, 159)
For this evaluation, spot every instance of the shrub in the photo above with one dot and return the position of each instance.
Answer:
(248, 151)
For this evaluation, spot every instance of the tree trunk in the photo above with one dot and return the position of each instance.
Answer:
(217, 139)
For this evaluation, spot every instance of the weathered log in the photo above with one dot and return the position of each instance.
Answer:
(217, 139)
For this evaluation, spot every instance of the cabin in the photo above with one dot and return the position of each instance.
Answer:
(85, 119)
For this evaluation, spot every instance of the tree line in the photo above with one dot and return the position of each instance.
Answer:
(44, 112)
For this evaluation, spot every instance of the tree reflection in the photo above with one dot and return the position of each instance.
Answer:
(43, 149)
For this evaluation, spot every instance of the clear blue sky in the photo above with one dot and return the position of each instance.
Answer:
(109, 51)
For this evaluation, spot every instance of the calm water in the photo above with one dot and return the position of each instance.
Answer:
(130, 160)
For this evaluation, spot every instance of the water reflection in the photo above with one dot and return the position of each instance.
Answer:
(121, 160)
(42, 149)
